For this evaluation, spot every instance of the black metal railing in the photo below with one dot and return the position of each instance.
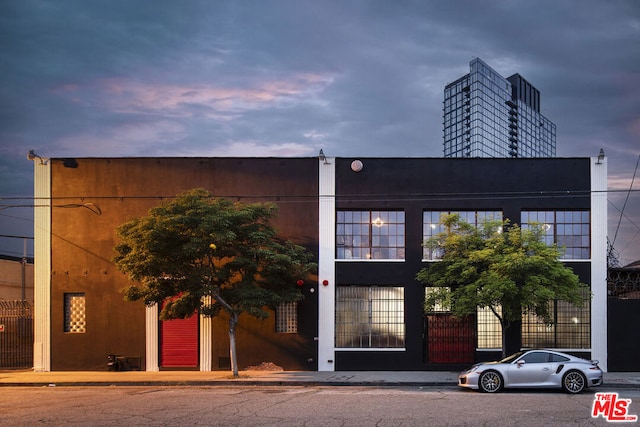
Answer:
(16, 334)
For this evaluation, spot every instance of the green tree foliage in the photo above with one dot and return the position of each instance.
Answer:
(500, 267)
(206, 254)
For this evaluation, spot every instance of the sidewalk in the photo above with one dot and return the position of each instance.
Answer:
(10, 378)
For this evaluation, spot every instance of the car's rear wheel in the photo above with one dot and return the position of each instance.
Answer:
(574, 382)
(490, 382)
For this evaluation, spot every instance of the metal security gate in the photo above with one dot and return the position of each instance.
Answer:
(623, 317)
(179, 340)
(16, 334)
(450, 339)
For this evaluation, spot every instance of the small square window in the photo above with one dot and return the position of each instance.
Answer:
(287, 318)
(74, 313)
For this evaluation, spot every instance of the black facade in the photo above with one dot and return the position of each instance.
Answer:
(416, 185)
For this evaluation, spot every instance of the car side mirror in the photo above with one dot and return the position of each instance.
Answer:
(520, 362)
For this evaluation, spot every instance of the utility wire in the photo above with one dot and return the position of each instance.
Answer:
(625, 201)
(344, 196)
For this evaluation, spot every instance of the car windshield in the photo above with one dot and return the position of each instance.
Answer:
(511, 358)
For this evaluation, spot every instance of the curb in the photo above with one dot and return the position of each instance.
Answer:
(229, 383)
(267, 383)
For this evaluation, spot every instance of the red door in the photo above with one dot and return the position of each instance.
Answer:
(179, 343)
(450, 339)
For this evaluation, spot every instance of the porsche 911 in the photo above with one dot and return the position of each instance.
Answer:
(533, 369)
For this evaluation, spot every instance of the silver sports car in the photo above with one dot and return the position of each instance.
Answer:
(533, 369)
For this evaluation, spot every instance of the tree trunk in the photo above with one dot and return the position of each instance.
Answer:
(503, 329)
(233, 321)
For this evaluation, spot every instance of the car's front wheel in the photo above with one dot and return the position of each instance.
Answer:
(574, 382)
(490, 382)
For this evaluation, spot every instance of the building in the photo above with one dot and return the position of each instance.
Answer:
(622, 317)
(486, 115)
(366, 220)
(16, 278)
(16, 312)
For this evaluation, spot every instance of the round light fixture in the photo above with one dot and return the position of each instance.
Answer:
(356, 166)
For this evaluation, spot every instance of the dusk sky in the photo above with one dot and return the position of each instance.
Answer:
(359, 78)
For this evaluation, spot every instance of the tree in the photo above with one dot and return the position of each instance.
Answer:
(210, 255)
(509, 270)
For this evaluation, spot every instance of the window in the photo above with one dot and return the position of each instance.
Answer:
(439, 307)
(557, 358)
(287, 318)
(489, 329)
(571, 327)
(370, 317)
(432, 226)
(570, 230)
(74, 313)
(536, 357)
(370, 235)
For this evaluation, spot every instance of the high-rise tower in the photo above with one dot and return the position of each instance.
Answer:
(486, 115)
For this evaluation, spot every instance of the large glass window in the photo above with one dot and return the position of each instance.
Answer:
(571, 327)
(432, 226)
(570, 230)
(370, 317)
(489, 329)
(370, 235)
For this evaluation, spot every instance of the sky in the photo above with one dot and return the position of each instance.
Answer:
(356, 78)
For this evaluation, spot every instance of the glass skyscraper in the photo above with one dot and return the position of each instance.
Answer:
(486, 115)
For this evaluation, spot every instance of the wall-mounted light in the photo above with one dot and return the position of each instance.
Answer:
(323, 158)
(356, 165)
(600, 157)
(31, 155)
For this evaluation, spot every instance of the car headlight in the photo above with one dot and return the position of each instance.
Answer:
(472, 369)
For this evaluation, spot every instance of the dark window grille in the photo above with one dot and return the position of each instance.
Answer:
(571, 327)
(370, 317)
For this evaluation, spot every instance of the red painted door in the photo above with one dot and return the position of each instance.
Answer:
(179, 343)
(450, 339)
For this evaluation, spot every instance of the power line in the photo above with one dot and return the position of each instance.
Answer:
(625, 201)
(625, 216)
(315, 196)
(15, 237)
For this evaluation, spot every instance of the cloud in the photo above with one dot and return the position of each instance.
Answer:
(130, 96)
(256, 149)
(288, 77)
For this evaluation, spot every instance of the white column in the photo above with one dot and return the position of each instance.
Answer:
(326, 266)
(42, 266)
(599, 261)
(151, 338)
